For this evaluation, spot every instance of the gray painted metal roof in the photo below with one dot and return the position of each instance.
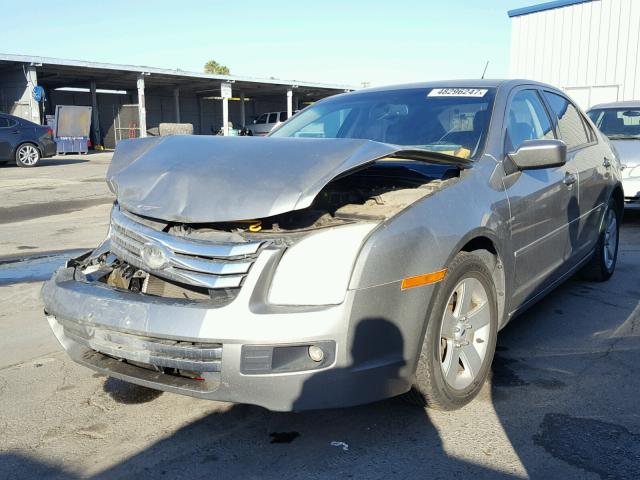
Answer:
(541, 7)
(83, 64)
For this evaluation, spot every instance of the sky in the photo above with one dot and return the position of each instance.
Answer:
(329, 41)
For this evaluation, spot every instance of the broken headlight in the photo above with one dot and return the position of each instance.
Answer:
(317, 269)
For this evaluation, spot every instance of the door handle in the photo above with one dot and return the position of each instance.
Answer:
(606, 163)
(15, 132)
(570, 179)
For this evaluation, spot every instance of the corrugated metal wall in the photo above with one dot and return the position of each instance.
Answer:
(591, 50)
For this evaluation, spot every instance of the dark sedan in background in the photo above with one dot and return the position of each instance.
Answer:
(24, 142)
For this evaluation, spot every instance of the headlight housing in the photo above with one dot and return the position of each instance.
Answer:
(317, 269)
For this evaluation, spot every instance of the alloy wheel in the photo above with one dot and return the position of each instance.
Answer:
(464, 333)
(28, 155)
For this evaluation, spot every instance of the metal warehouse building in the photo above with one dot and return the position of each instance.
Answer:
(589, 48)
(129, 100)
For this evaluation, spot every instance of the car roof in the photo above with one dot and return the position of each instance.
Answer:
(626, 104)
(464, 83)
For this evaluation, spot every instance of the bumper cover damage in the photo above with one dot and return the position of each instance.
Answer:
(190, 349)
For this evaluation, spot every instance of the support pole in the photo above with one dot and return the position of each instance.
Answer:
(242, 112)
(289, 102)
(34, 107)
(142, 110)
(176, 99)
(201, 116)
(225, 117)
(95, 116)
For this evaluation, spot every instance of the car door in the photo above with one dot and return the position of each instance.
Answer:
(7, 137)
(591, 163)
(259, 127)
(543, 202)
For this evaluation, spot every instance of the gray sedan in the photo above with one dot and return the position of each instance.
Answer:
(373, 245)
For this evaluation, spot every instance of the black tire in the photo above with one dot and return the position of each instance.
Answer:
(27, 155)
(603, 263)
(431, 388)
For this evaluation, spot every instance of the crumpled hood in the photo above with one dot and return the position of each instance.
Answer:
(198, 179)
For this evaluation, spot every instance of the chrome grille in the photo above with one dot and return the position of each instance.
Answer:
(194, 262)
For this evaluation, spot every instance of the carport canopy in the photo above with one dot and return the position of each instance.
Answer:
(55, 73)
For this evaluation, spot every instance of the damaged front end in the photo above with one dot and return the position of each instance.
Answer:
(215, 306)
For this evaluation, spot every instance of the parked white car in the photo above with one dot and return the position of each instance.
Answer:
(267, 122)
(620, 121)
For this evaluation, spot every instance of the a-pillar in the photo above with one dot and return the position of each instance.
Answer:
(142, 110)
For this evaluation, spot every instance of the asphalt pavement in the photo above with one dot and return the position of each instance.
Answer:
(562, 401)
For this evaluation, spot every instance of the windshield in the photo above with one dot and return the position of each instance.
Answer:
(451, 121)
(617, 123)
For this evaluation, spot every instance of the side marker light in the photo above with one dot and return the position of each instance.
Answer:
(425, 279)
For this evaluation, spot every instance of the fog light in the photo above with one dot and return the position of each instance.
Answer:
(315, 353)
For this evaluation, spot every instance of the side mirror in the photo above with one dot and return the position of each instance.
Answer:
(254, 121)
(535, 154)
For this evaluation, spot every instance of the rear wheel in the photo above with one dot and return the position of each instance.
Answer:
(460, 340)
(27, 155)
(603, 263)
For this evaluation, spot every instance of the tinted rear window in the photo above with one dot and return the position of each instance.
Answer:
(6, 122)
(570, 124)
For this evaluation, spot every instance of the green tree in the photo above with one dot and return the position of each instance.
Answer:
(214, 67)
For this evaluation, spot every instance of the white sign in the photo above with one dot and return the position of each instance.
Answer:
(225, 90)
(457, 92)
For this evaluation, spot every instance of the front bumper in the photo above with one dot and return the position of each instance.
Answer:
(100, 327)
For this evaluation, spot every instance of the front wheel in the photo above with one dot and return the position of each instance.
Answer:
(603, 263)
(460, 339)
(27, 155)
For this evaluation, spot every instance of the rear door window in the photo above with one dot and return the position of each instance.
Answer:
(527, 119)
(570, 123)
(6, 122)
(283, 116)
(273, 118)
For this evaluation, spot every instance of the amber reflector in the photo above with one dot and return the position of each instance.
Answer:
(426, 279)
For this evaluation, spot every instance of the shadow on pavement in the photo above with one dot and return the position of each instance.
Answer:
(51, 162)
(565, 377)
